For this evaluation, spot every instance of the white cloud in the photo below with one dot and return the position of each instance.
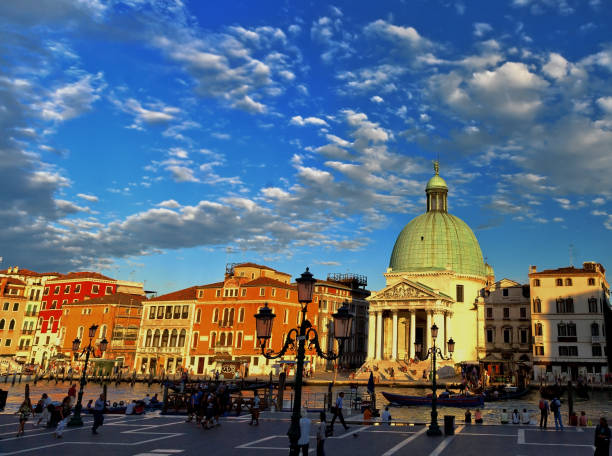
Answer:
(557, 66)
(403, 36)
(605, 103)
(598, 201)
(482, 28)
(154, 113)
(300, 121)
(377, 99)
(73, 99)
(90, 198)
(170, 204)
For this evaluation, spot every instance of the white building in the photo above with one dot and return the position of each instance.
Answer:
(568, 321)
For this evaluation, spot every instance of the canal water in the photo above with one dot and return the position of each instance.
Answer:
(599, 404)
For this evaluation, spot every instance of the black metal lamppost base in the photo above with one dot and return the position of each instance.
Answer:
(434, 430)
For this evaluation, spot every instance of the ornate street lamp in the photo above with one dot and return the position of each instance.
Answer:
(434, 351)
(76, 419)
(305, 333)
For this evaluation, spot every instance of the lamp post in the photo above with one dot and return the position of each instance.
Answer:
(434, 352)
(76, 419)
(342, 330)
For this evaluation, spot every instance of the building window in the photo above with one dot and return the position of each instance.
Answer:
(213, 339)
(241, 315)
(230, 340)
(177, 312)
(287, 294)
(596, 350)
(243, 292)
(592, 305)
(595, 330)
(173, 337)
(273, 292)
(568, 282)
(559, 282)
(524, 333)
(239, 339)
(565, 305)
(286, 319)
(198, 315)
(108, 290)
(591, 282)
(67, 289)
(6, 305)
(537, 329)
(7, 342)
(490, 335)
(506, 313)
(566, 329)
(2, 323)
(489, 313)
(539, 350)
(523, 313)
(15, 307)
(148, 338)
(536, 282)
(459, 293)
(156, 338)
(505, 292)
(221, 340)
(570, 350)
(507, 335)
(215, 316)
(218, 293)
(537, 305)
(185, 312)
(262, 292)
(200, 293)
(196, 338)
(95, 289)
(56, 290)
(168, 314)
(77, 288)
(46, 292)
(232, 314)
(152, 313)
(165, 337)
(64, 302)
(160, 312)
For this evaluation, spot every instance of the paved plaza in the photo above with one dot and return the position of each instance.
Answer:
(154, 435)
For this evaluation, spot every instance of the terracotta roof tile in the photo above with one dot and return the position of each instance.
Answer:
(255, 265)
(268, 281)
(117, 298)
(82, 275)
(186, 294)
(213, 285)
(27, 272)
(13, 281)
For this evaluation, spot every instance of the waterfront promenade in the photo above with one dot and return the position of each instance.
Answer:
(154, 435)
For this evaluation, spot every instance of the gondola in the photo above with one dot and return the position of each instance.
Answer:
(446, 401)
(504, 395)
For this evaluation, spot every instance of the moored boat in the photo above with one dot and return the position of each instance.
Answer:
(489, 396)
(447, 401)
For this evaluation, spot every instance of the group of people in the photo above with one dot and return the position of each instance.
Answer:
(207, 405)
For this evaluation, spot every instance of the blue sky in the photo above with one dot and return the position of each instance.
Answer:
(160, 140)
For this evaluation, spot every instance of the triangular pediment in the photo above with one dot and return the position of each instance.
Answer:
(407, 289)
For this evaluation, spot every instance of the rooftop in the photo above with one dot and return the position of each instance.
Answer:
(81, 276)
(117, 298)
(187, 294)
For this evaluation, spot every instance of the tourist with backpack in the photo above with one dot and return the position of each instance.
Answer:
(555, 407)
(544, 408)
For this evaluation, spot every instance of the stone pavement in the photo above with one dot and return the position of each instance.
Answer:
(154, 435)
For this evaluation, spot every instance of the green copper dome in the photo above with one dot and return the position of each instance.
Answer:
(437, 240)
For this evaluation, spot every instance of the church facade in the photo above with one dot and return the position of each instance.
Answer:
(435, 275)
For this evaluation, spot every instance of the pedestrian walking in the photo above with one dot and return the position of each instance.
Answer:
(65, 410)
(24, 413)
(555, 407)
(544, 409)
(321, 435)
(304, 439)
(45, 415)
(255, 409)
(72, 394)
(602, 438)
(338, 411)
(98, 414)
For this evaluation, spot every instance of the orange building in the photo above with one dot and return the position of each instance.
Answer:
(13, 310)
(118, 318)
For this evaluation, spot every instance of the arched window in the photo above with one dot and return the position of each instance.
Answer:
(595, 330)
(148, 338)
(181, 339)
(215, 316)
(538, 329)
(568, 282)
(225, 316)
(230, 339)
(231, 317)
(198, 315)
(173, 338)
(559, 282)
(213, 339)
(592, 304)
(222, 339)
(2, 323)
(241, 315)
(164, 339)
(79, 330)
(50, 327)
(196, 338)
(40, 322)
(156, 338)
(537, 305)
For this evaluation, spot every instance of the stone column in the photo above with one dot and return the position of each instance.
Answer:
(428, 330)
(394, 346)
(372, 335)
(379, 333)
(412, 333)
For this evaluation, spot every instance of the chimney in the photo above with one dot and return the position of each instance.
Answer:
(532, 269)
(15, 269)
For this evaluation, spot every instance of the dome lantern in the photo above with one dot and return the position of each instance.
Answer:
(437, 192)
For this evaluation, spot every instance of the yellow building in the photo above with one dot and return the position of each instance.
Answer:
(567, 317)
(435, 275)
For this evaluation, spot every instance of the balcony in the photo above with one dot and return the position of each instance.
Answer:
(162, 350)
(596, 339)
(538, 339)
